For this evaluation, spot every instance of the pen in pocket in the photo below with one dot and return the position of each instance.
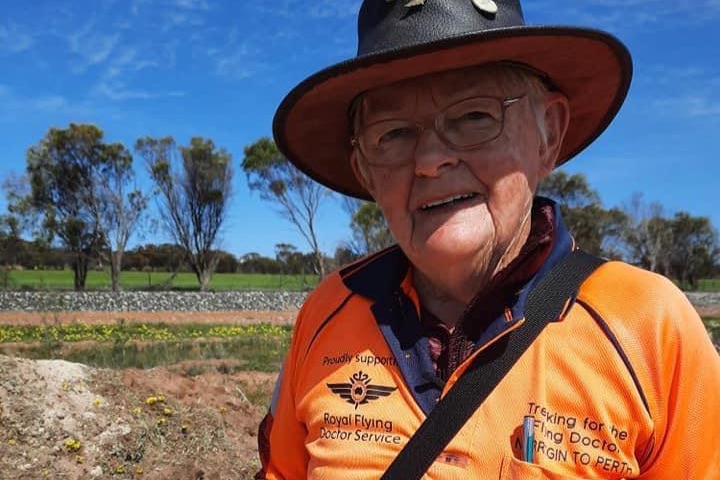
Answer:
(528, 438)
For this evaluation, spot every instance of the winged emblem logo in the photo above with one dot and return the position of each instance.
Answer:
(359, 391)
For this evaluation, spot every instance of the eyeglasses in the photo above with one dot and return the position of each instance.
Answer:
(462, 126)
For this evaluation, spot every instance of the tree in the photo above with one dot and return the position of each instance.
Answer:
(63, 170)
(15, 222)
(194, 199)
(253, 262)
(298, 196)
(288, 256)
(595, 229)
(120, 207)
(370, 231)
(227, 263)
(682, 247)
(695, 248)
(648, 236)
(294, 262)
(166, 257)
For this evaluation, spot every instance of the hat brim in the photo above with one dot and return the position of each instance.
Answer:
(592, 68)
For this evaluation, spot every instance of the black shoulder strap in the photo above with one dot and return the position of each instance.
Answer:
(544, 304)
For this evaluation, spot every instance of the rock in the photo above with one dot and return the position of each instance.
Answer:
(150, 301)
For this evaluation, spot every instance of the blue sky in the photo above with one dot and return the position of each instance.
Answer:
(218, 69)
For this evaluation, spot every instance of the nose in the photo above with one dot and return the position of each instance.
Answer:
(432, 155)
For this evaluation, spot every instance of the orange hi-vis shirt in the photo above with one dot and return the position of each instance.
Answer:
(624, 385)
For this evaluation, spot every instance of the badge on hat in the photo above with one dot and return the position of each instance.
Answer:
(486, 5)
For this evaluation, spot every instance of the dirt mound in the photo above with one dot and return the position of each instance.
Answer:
(196, 420)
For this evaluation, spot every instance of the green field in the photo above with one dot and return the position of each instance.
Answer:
(134, 280)
(709, 285)
(100, 280)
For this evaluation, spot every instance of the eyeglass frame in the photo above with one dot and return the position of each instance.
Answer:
(423, 125)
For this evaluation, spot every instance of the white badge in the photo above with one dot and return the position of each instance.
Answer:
(486, 5)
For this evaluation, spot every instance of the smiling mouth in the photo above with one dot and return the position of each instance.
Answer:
(448, 202)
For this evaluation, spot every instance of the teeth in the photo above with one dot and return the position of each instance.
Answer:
(447, 201)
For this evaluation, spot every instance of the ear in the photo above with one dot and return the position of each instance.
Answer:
(556, 118)
(360, 169)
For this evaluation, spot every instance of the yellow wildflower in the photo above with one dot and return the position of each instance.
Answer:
(72, 445)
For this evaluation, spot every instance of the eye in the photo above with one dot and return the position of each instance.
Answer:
(475, 116)
(397, 133)
(474, 119)
(473, 113)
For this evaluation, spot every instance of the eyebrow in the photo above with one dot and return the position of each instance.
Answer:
(386, 104)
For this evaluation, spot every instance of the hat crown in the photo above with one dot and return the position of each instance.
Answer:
(404, 39)
(385, 25)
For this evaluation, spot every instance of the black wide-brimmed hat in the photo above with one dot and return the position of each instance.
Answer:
(402, 39)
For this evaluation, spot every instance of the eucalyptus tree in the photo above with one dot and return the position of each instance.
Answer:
(648, 238)
(194, 187)
(297, 196)
(68, 173)
(120, 206)
(681, 246)
(370, 231)
(695, 250)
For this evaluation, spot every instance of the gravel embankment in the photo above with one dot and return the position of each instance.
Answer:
(150, 301)
(190, 301)
(704, 299)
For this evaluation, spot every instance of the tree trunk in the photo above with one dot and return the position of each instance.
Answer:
(80, 269)
(320, 263)
(204, 277)
(115, 266)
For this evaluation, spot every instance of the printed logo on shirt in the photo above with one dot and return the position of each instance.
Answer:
(359, 391)
(581, 440)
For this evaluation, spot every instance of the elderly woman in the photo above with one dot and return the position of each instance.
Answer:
(448, 119)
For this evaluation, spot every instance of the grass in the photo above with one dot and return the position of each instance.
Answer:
(713, 328)
(133, 280)
(709, 285)
(254, 347)
(137, 345)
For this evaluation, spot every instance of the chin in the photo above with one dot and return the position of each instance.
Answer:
(465, 247)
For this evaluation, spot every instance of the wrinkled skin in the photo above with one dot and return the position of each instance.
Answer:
(458, 246)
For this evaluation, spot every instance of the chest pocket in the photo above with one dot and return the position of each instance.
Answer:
(514, 469)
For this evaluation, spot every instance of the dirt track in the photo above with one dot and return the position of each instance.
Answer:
(709, 311)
